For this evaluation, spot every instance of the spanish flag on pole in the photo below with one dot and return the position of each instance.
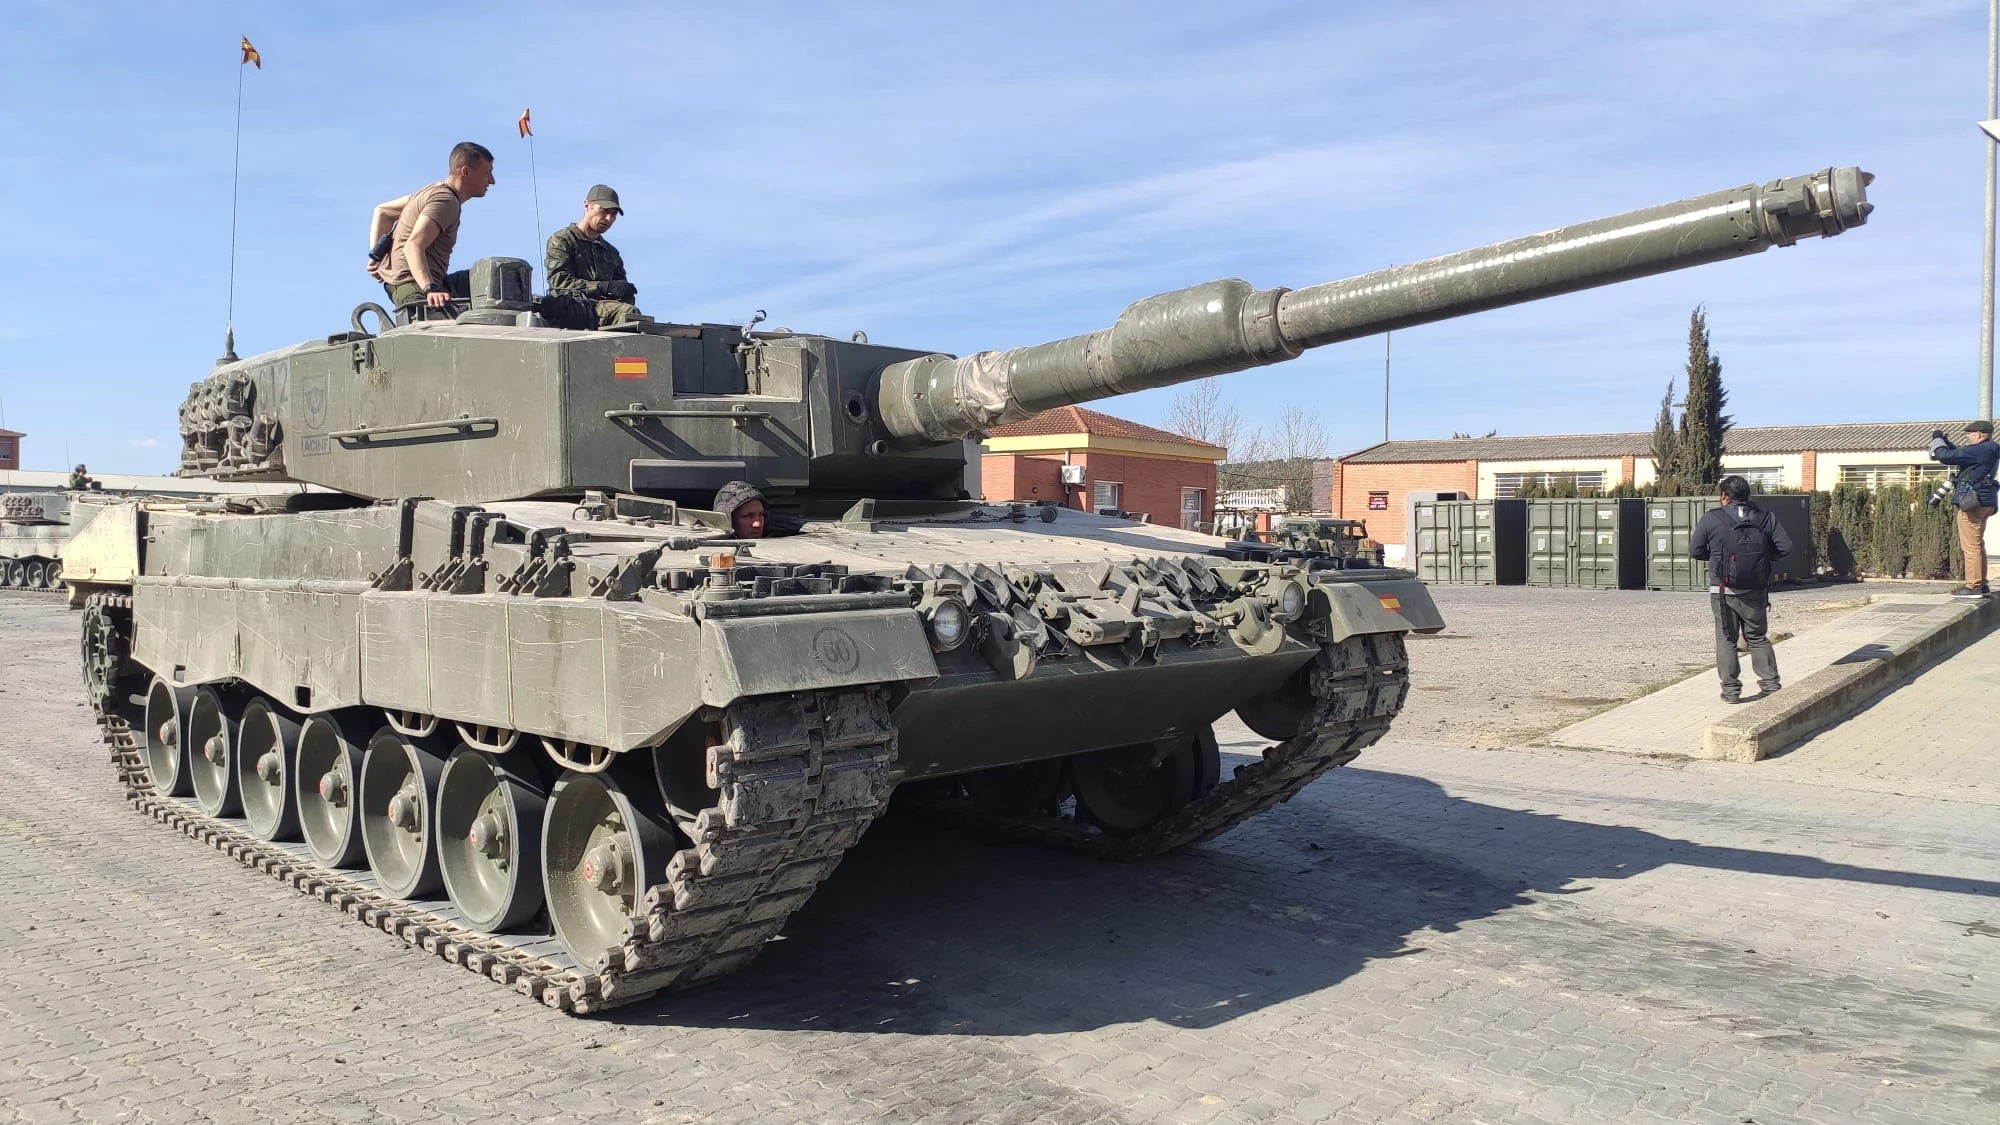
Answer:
(250, 54)
(523, 125)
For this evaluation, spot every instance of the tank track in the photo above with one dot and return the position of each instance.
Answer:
(1356, 688)
(804, 776)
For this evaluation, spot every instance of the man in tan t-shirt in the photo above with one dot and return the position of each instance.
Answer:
(422, 228)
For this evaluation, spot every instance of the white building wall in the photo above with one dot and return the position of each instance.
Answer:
(1791, 466)
(1611, 467)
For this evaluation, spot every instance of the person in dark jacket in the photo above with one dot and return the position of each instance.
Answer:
(1740, 612)
(1974, 492)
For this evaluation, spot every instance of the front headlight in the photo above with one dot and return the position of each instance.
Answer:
(1292, 602)
(947, 621)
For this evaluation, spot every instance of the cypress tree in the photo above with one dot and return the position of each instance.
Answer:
(1703, 423)
(1666, 448)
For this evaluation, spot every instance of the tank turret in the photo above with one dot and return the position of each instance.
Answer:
(498, 405)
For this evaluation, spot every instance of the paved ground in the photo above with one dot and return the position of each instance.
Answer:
(1435, 934)
(1516, 662)
(1673, 719)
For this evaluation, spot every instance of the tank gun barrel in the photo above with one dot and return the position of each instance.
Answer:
(1228, 325)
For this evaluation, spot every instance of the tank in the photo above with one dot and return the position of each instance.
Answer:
(33, 528)
(41, 514)
(514, 693)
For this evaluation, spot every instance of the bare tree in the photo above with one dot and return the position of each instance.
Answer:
(1281, 456)
(1199, 412)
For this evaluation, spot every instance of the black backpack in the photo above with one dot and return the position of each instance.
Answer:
(1746, 553)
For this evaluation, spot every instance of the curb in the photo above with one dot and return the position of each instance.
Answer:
(1848, 687)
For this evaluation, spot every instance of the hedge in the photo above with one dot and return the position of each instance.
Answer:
(1888, 532)
(1857, 532)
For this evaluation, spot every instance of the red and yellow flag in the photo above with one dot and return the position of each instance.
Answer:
(250, 54)
(523, 124)
(628, 367)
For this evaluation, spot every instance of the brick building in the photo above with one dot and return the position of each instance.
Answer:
(1373, 483)
(10, 449)
(1112, 463)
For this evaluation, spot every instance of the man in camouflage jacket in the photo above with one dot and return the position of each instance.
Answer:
(581, 263)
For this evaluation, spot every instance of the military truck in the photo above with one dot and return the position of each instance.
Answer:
(1327, 535)
(512, 692)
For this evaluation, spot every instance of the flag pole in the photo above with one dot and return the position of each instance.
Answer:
(535, 184)
(526, 127)
(235, 179)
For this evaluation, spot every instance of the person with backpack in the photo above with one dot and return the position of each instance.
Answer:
(1975, 492)
(1740, 541)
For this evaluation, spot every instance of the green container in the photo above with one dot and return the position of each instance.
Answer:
(1592, 543)
(1453, 542)
(1470, 542)
(1670, 524)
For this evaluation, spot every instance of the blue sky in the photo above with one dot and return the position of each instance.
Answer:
(956, 177)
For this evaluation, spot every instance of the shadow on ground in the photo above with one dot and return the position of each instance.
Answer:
(929, 929)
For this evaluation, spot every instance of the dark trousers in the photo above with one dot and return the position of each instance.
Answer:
(1743, 613)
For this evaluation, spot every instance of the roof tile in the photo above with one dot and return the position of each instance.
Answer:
(1077, 420)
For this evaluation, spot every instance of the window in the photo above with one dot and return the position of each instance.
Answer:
(1507, 485)
(1105, 494)
(1191, 507)
(1911, 477)
(1762, 479)
(6, 449)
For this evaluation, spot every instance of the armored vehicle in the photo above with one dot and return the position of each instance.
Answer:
(33, 528)
(39, 516)
(1326, 535)
(513, 693)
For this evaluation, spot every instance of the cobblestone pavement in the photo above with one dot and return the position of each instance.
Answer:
(1434, 934)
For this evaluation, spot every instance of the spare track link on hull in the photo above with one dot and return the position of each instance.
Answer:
(1357, 685)
(816, 767)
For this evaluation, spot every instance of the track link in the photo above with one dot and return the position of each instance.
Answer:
(1356, 688)
(800, 778)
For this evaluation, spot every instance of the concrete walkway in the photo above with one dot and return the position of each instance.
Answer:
(1930, 738)
(1673, 720)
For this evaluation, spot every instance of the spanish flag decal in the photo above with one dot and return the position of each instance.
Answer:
(1390, 601)
(629, 367)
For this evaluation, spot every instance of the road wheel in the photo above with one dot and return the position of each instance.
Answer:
(166, 749)
(213, 720)
(399, 780)
(603, 840)
(489, 838)
(267, 743)
(325, 784)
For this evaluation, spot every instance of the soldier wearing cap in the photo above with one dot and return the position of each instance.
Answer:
(1975, 492)
(581, 262)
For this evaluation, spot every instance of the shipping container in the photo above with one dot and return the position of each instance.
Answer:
(1670, 524)
(1592, 543)
(1471, 542)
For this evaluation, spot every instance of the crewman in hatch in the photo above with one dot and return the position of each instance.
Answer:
(744, 506)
